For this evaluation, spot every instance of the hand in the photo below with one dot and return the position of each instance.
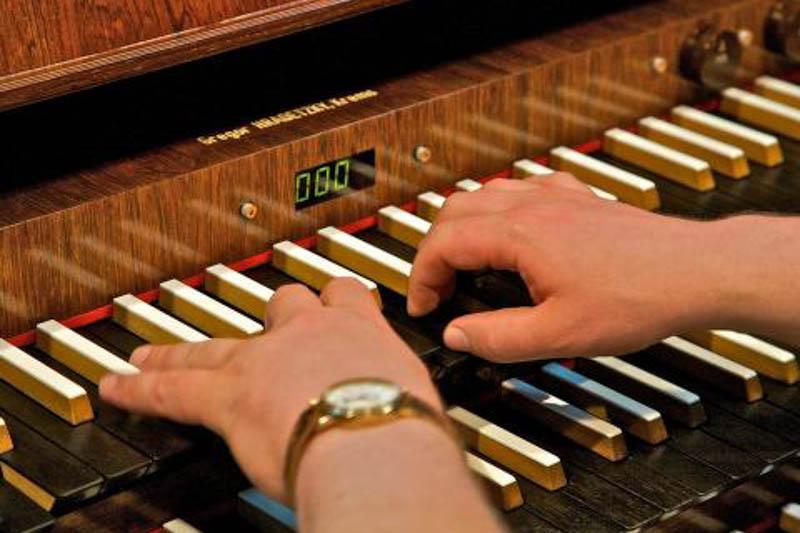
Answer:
(608, 278)
(252, 392)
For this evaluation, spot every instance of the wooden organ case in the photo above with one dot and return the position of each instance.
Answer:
(143, 144)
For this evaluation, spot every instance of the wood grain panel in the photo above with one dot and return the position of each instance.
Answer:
(51, 47)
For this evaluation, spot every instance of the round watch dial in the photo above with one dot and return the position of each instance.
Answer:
(362, 396)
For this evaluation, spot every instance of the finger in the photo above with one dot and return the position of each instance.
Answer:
(290, 301)
(467, 204)
(349, 293)
(514, 334)
(471, 243)
(509, 185)
(564, 180)
(187, 396)
(198, 355)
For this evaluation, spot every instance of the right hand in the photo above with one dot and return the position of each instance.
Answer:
(608, 278)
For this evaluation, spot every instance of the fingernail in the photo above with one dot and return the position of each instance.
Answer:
(107, 384)
(421, 301)
(456, 339)
(140, 355)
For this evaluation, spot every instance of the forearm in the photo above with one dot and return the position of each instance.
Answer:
(405, 476)
(753, 264)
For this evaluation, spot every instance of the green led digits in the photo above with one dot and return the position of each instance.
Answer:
(341, 175)
(322, 181)
(302, 188)
(334, 179)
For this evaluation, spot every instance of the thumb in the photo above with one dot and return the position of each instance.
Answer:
(514, 334)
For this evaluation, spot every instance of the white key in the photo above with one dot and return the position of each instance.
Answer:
(6, 443)
(502, 487)
(364, 258)
(659, 159)
(238, 290)
(313, 269)
(179, 526)
(606, 403)
(402, 225)
(779, 90)
(762, 112)
(509, 450)
(626, 186)
(75, 351)
(525, 168)
(152, 324)
(712, 368)
(758, 146)
(790, 518)
(429, 204)
(577, 425)
(724, 158)
(44, 385)
(752, 352)
(468, 185)
(674, 401)
(204, 312)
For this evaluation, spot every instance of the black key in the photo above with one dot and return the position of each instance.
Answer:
(116, 461)
(388, 244)
(691, 473)
(523, 521)
(784, 396)
(662, 492)
(563, 510)
(692, 521)
(421, 344)
(159, 440)
(20, 514)
(61, 478)
(113, 337)
(716, 453)
(269, 276)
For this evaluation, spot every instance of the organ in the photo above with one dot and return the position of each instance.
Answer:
(164, 171)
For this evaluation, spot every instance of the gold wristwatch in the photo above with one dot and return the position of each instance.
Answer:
(355, 403)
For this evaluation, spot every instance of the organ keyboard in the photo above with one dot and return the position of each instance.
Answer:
(698, 433)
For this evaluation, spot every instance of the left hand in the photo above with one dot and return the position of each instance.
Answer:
(252, 392)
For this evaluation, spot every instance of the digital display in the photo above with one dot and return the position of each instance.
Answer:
(331, 180)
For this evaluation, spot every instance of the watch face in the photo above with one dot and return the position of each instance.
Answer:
(362, 396)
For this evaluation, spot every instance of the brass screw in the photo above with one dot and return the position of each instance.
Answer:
(745, 37)
(422, 154)
(659, 64)
(248, 210)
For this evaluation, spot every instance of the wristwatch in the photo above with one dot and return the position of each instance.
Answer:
(352, 404)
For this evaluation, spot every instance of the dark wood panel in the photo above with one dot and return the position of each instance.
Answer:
(50, 47)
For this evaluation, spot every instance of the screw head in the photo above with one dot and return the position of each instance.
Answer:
(248, 210)
(422, 154)
(745, 37)
(659, 64)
